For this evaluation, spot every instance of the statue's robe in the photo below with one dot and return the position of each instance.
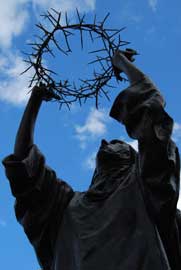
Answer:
(127, 219)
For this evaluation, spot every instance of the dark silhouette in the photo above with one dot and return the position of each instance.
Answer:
(128, 218)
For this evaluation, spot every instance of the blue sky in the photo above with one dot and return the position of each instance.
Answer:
(70, 139)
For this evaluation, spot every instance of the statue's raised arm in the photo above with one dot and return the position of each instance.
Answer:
(25, 135)
(40, 196)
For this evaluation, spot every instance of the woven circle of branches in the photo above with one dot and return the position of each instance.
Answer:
(47, 41)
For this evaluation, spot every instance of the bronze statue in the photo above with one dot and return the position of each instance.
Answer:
(128, 218)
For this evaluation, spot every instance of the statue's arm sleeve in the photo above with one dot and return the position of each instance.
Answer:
(40, 201)
(140, 108)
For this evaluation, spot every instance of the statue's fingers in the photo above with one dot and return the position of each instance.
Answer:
(49, 95)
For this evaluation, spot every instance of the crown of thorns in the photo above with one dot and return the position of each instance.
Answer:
(64, 91)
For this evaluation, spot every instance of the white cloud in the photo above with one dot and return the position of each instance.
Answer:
(13, 16)
(176, 131)
(91, 161)
(179, 203)
(153, 4)
(14, 87)
(68, 5)
(176, 127)
(134, 144)
(95, 126)
(3, 223)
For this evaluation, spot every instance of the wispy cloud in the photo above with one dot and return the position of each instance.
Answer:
(179, 203)
(90, 161)
(3, 223)
(13, 17)
(13, 87)
(177, 131)
(14, 14)
(134, 144)
(153, 4)
(68, 5)
(94, 127)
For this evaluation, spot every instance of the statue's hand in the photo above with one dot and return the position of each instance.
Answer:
(43, 93)
(130, 53)
(119, 58)
(118, 55)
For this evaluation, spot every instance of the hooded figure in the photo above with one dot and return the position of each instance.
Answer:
(127, 219)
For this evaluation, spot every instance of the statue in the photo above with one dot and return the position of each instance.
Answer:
(128, 218)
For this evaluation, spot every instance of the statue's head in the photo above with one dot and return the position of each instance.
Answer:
(113, 155)
(113, 158)
(114, 161)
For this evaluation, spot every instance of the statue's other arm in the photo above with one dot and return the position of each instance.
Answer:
(140, 108)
